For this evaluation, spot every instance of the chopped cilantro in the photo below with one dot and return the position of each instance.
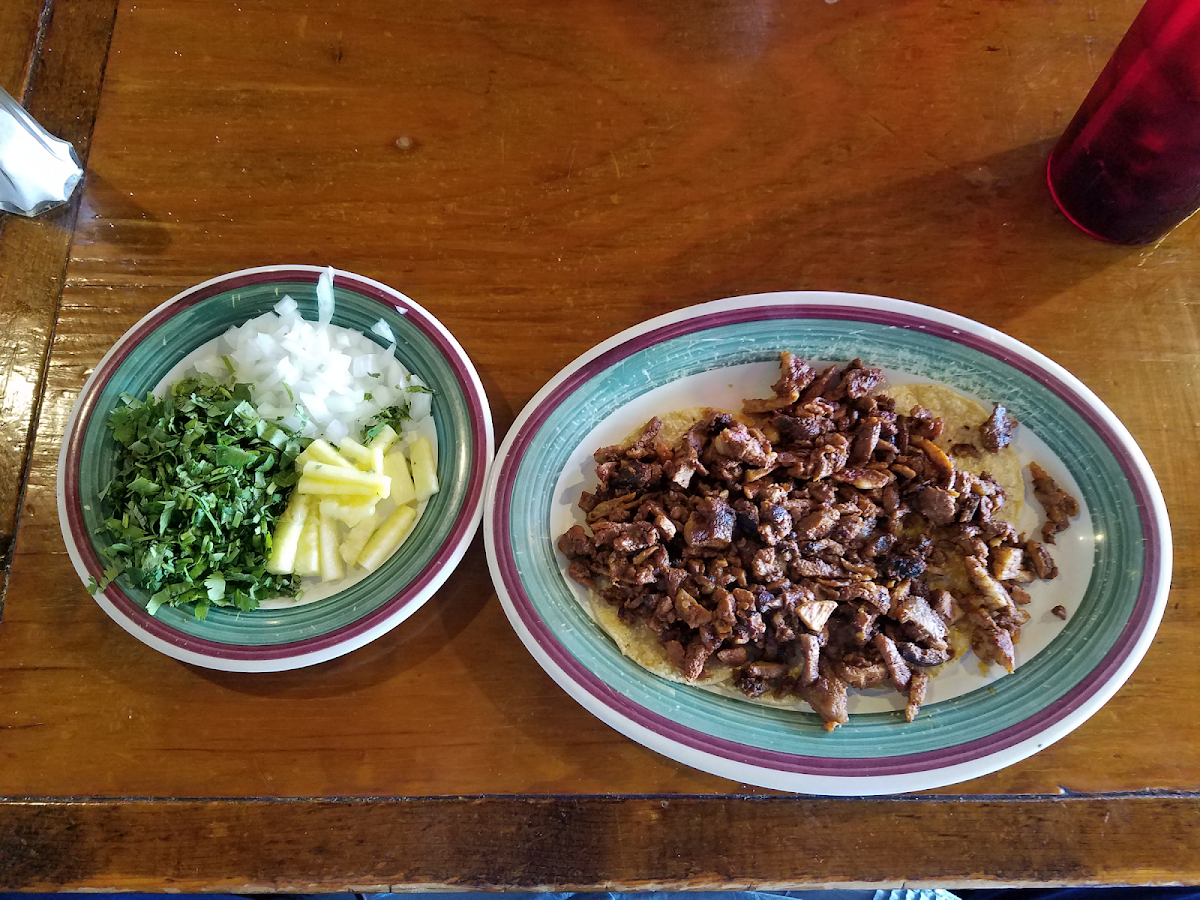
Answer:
(201, 479)
(394, 416)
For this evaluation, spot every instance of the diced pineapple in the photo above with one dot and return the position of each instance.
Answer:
(361, 455)
(329, 561)
(344, 485)
(321, 478)
(350, 510)
(286, 538)
(377, 460)
(379, 446)
(387, 538)
(424, 471)
(395, 466)
(357, 539)
(385, 438)
(324, 452)
(308, 551)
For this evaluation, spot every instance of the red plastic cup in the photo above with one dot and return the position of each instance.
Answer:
(1127, 169)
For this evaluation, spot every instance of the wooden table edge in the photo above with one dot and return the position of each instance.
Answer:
(548, 841)
(587, 842)
(63, 80)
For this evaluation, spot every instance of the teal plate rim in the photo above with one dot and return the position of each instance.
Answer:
(679, 721)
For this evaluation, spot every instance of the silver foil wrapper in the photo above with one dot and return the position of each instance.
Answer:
(37, 170)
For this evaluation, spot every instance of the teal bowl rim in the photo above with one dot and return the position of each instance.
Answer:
(133, 617)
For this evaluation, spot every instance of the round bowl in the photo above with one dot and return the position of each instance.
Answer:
(275, 639)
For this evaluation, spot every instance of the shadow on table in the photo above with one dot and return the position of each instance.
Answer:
(982, 238)
(111, 215)
(410, 644)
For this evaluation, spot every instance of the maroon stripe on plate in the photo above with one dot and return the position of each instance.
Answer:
(435, 568)
(901, 764)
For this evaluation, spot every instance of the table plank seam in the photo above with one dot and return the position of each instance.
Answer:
(65, 219)
(35, 56)
(1065, 796)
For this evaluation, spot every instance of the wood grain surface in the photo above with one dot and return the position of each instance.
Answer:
(20, 24)
(539, 176)
(53, 65)
(580, 842)
(21, 362)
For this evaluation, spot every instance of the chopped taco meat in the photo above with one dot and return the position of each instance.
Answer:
(821, 541)
(1058, 504)
(996, 432)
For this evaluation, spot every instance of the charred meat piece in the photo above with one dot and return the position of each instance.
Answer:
(710, 524)
(938, 505)
(1058, 504)
(576, 543)
(861, 673)
(859, 380)
(916, 695)
(803, 427)
(866, 439)
(635, 475)
(744, 444)
(795, 376)
(827, 696)
(901, 565)
(897, 668)
(923, 622)
(922, 656)
(992, 593)
(810, 652)
(828, 456)
(1041, 560)
(824, 383)
(996, 431)
(774, 523)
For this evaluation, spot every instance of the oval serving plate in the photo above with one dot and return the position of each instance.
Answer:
(267, 640)
(1115, 559)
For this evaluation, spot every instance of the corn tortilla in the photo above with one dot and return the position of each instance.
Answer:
(961, 416)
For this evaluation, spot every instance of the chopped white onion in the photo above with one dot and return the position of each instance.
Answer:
(384, 330)
(336, 431)
(286, 306)
(325, 297)
(314, 377)
(420, 404)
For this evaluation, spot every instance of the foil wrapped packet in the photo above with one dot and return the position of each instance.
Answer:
(37, 170)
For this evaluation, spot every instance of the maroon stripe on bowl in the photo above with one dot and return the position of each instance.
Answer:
(433, 570)
(902, 764)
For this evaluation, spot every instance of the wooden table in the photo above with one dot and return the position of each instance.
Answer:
(541, 175)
